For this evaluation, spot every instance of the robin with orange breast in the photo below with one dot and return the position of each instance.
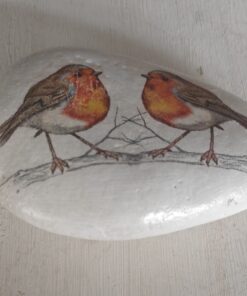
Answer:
(184, 105)
(71, 100)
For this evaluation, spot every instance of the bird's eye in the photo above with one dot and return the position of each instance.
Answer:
(78, 74)
(165, 78)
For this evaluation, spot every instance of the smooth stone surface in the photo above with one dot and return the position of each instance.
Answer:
(135, 197)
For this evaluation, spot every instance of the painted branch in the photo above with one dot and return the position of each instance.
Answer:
(41, 173)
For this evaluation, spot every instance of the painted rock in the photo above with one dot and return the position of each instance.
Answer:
(103, 147)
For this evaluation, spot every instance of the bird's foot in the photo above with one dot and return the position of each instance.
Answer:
(208, 156)
(158, 152)
(106, 153)
(58, 163)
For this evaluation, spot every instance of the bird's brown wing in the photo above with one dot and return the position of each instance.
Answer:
(35, 104)
(44, 87)
(203, 98)
(30, 107)
(43, 95)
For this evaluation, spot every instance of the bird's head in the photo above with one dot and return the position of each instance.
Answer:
(160, 76)
(75, 72)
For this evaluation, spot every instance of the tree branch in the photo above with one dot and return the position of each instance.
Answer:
(24, 178)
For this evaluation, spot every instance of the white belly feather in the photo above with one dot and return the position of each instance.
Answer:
(54, 121)
(199, 119)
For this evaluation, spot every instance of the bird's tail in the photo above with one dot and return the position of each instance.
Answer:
(234, 115)
(241, 119)
(8, 128)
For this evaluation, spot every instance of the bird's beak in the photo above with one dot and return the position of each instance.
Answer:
(98, 74)
(144, 75)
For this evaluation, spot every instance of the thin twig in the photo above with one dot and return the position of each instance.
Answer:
(143, 120)
(115, 118)
(134, 119)
(155, 134)
(116, 126)
(137, 140)
(130, 141)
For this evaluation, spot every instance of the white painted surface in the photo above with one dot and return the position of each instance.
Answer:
(102, 199)
(190, 36)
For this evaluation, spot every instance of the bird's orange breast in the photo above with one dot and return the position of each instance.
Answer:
(90, 103)
(161, 103)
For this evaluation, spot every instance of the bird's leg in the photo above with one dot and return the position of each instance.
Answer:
(56, 162)
(100, 151)
(210, 155)
(163, 151)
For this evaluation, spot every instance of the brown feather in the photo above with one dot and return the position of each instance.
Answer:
(201, 97)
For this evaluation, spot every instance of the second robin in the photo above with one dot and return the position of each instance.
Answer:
(184, 105)
(71, 100)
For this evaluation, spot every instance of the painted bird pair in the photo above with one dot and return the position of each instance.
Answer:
(73, 99)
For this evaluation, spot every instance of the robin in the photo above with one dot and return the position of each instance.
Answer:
(71, 100)
(184, 105)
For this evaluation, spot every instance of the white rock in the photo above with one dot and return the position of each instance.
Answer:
(105, 199)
